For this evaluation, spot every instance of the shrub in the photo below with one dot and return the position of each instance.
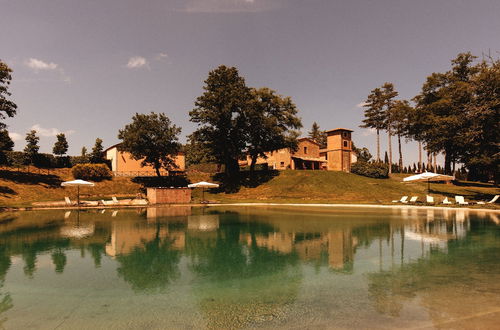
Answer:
(96, 172)
(371, 170)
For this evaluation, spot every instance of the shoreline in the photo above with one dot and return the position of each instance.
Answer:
(330, 205)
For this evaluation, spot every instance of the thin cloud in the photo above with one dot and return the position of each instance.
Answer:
(39, 65)
(15, 136)
(368, 131)
(229, 6)
(137, 62)
(47, 132)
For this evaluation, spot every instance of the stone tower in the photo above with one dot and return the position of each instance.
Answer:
(339, 149)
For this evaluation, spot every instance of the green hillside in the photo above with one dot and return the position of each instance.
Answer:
(22, 189)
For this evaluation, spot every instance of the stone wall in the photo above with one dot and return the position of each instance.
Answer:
(169, 195)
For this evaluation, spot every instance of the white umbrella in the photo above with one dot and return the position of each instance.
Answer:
(429, 176)
(203, 185)
(77, 183)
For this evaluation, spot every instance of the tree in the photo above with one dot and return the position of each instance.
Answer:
(153, 139)
(7, 107)
(84, 151)
(362, 154)
(386, 158)
(96, 156)
(481, 139)
(388, 94)
(272, 121)
(61, 145)
(6, 143)
(400, 113)
(442, 108)
(374, 114)
(32, 147)
(318, 135)
(196, 151)
(221, 113)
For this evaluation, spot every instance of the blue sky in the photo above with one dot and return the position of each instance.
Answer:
(85, 67)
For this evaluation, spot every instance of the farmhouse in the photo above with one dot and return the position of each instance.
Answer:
(337, 156)
(122, 164)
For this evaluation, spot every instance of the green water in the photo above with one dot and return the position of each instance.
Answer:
(249, 267)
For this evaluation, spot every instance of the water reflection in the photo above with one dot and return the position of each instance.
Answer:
(248, 266)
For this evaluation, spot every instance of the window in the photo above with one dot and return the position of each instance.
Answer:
(305, 150)
(344, 134)
(345, 144)
(282, 164)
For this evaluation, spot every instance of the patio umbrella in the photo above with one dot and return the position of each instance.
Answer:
(203, 185)
(77, 183)
(428, 176)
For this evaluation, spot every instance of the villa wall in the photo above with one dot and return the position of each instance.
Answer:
(169, 195)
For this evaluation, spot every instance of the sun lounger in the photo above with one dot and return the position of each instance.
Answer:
(460, 200)
(115, 200)
(68, 201)
(139, 202)
(493, 200)
(413, 199)
(402, 200)
(429, 199)
(90, 203)
(107, 202)
(446, 201)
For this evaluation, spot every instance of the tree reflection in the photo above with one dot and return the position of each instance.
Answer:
(151, 266)
(5, 298)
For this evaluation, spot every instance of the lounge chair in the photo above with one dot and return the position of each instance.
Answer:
(429, 199)
(107, 202)
(402, 200)
(139, 202)
(90, 203)
(446, 201)
(460, 200)
(116, 201)
(69, 202)
(413, 199)
(493, 200)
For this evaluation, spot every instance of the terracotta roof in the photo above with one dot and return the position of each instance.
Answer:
(308, 139)
(340, 129)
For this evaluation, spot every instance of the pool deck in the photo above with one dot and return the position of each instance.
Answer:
(380, 206)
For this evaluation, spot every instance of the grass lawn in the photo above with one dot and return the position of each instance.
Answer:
(21, 189)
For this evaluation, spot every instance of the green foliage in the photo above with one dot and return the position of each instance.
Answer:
(272, 123)
(318, 135)
(371, 170)
(7, 107)
(95, 172)
(196, 151)
(363, 154)
(97, 155)
(61, 145)
(84, 151)
(32, 147)
(221, 113)
(6, 144)
(152, 138)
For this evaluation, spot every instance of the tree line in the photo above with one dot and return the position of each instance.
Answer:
(456, 113)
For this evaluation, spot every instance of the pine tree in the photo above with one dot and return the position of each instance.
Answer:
(96, 156)
(32, 147)
(318, 135)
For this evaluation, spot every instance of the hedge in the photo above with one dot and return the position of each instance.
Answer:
(371, 170)
(95, 172)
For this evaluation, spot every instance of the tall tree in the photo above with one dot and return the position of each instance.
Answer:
(318, 135)
(388, 94)
(153, 139)
(400, 113)
(272, 121)
(32, 147)
(7, 107)
(221, 113)
(442, 106)
(61, 145)
(96, 156)
(84, 152)
(481, 140)
(374, 114)
(196, 150)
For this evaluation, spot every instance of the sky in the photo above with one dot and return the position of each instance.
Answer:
(86, 67)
